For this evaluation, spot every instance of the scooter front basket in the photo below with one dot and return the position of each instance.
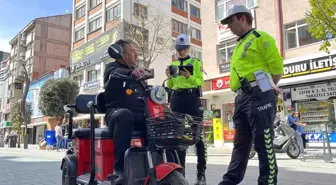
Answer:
(175, 130)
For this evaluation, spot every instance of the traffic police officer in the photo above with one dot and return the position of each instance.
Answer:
(256, 68)
(185, 97)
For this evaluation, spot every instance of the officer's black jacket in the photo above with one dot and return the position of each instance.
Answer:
(115, 90)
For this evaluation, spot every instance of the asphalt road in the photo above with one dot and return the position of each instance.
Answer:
(19, 167)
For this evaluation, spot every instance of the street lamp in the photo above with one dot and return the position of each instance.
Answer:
(23, 100)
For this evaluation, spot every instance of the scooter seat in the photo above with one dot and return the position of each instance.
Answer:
(100, 133)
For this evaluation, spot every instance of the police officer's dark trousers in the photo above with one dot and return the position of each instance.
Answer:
(253, 118)
(190, 103)
(123, 122)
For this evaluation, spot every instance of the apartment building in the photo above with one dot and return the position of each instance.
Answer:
(3, 83)
(43, 45)
(309, 73)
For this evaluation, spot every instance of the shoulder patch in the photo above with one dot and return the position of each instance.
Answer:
(256, 34)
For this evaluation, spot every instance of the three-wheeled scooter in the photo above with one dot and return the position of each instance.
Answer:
(90, 159)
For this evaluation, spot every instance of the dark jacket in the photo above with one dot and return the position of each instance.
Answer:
(117, 92)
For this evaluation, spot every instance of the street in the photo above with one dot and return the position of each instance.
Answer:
(33, 167)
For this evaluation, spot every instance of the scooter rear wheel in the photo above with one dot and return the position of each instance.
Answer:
(66, 179)
(174, 178)
(293, 150)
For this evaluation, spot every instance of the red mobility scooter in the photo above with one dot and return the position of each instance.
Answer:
(90, 159)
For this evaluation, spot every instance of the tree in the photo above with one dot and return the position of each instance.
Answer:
(17, 117)
(321, 21)
(54, 94)
(151, 35)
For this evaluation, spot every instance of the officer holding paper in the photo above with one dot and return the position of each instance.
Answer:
(256, 68)
(185, 81)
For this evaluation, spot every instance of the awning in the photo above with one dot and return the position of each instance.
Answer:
(34, 124)
(330, 75)
(87, 116)
(223, 92)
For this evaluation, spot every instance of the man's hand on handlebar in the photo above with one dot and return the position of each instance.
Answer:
(140, 73)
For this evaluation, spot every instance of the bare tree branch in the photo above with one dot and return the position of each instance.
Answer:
(150, 34)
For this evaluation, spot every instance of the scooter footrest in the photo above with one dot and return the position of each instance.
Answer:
(112, 177)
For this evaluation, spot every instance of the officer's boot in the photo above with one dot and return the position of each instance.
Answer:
(200, 179)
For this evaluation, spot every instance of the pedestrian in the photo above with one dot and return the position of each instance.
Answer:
(256, 68)
(299, 132)
(303, 135)
(58, 134)
(185, 97)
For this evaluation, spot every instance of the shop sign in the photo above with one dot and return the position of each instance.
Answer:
(90, 86)
(224, 33)
(217, 129)
(94, 50)
(224, 67)
(221, 83)
(312, 66)
(80, 65)
(323, 91)
(318, 137)
(208, 114)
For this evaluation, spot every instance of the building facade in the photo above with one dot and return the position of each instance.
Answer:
(304, 64)
(98, 23)
(44, 46)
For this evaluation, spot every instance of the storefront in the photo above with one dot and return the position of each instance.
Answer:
(309, 85)
(220, 102)
(220, 108)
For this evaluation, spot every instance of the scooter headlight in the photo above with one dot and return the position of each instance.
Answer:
(158, 94)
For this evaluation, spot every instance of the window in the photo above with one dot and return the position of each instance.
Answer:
(79, 34)
(223, 6)
(79, 79)
(297, 35)
(251, 4)
(225, 52)
(80, 12)
(194, 11)
(94, 3)
(95, 24)
(195, 33)
(140, 10)
(93, 75)
(113, 13)
(180, 4)
(195, 53)
(179, 26)
(220, 9)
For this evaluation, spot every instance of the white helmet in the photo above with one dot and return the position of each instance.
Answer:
(235, 10)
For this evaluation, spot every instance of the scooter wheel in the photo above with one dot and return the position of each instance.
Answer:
(66, 179)
(174, 178)
(293, 150)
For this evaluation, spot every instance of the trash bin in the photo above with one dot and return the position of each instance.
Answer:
(12, 140)
(50, 137)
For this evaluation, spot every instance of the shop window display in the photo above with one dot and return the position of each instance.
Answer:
(228, 126)
(316, 114)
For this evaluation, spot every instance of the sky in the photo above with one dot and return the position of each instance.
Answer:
(16, 14)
